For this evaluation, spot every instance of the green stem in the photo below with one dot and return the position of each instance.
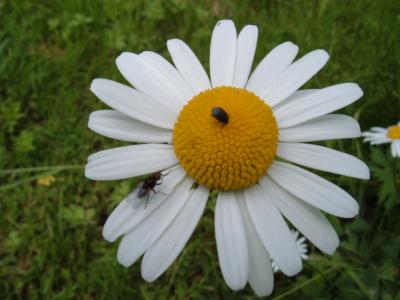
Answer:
(38, 169)
(305, 283)
(395, 174)
(26, 180)
(359, 283)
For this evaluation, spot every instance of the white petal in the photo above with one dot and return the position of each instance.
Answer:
(395, 148)
(169, 72)
(246, 47)
(261, 277)
(376, 138)
(188, 65)
(273, 64)
(147, 79)
(167, 248)
(398, 147)
(133, 103)
(306, 218)
(375, 133)
(314, 190)
(124, 217)
(296, 96)
(118, 216)
(317, 104)
(118, 151)
(116, 125)
(223, 53)
(231, 241)
(137, 241)
(273, 230)
(379, 129)
(324, 159)
(326, 127)
(295, 76)
(135, 160)
(104, 153)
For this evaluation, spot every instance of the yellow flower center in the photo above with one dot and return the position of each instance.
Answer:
(393, 132)
(226, 138)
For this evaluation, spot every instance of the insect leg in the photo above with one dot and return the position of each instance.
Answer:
(159, 192)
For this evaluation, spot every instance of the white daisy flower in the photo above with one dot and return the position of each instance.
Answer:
(301, 248)
(379, 135)
(226, 133)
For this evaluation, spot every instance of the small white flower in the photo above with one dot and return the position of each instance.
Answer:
(226, 133)
(379, 135)
(301, 247)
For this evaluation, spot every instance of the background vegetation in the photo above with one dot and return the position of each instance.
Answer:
(50, 236)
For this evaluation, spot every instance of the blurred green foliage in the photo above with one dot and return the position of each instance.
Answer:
(50, 237)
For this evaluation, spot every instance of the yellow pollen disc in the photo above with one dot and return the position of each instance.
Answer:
(226, 156)
(393, 132)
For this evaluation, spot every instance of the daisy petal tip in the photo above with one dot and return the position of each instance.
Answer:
(225, 22)
(252, 28)
(351, 212)
(358, 92)
(125, 54)
(123, 259)
(236, 285)
(175, 45)
(172, 42)
(91, 118)
(88, 174)
(106, 233)
(93, 84)
(250, 31)
(262, 292)
(148, 277)
(322, 55)
(356, 210)
(146, 52)
(288, 47)
(126, 264)
(120, 59)
(290, 44)
(294, 269)
(96, 84)
(123, 58)
(108, 230)
(332, 249)
(366, 174)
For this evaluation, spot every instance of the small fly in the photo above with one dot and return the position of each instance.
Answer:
(145, 187)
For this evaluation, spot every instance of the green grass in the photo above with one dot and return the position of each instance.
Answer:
(50, 237)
